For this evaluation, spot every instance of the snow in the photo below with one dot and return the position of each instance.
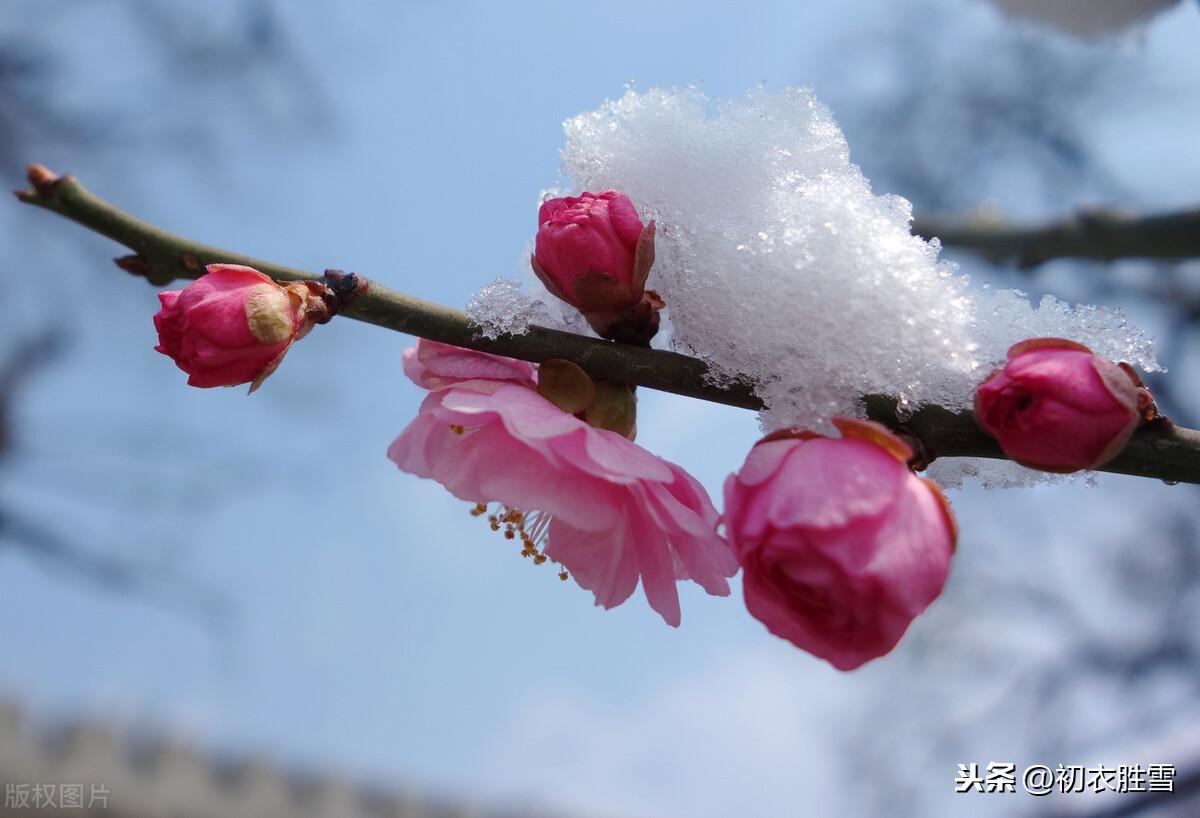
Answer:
(503, 308)
(779, 264)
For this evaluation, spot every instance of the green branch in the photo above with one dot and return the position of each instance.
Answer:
(1159, 450)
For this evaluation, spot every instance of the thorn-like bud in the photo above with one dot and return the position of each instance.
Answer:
(42, 178)
(139, 266)
(134, 265)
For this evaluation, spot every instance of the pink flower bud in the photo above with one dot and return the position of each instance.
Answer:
(841, 545)
(232, 325)
(1058, 407)
(593, 252)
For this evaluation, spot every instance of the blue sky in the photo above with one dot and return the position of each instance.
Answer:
(376, 626)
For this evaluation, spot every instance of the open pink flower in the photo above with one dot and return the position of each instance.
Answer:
(233, 325)
(842, 546)
(1058, 407)
(609, 511)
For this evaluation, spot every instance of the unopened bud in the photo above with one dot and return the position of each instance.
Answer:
(233, 325)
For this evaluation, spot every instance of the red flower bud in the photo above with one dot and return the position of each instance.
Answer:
(593, 252)
(232, 325)
(1058, 407)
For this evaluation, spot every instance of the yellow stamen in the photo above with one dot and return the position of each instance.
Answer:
(513, 523)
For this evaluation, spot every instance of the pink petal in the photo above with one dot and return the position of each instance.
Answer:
(764, 460)
(841, 479)
(704, 557)
(609, 455)
(599, 561)
(625, 219)
(919, 545)
(656, 567)
(434, 366)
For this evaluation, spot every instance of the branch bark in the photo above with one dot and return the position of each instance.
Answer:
(1099, 234)
(1160, 450)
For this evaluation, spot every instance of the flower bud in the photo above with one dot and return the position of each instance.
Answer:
(233, 325)
(566, 385)
(593, 252)
(1058, 407)
(614, 408)
(600, 404)
(841, 545)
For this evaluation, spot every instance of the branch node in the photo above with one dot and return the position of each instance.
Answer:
(346, 286)
(922, 455)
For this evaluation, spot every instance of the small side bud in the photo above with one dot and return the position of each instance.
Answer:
(565, 385)
(614, 408)
(138, 266)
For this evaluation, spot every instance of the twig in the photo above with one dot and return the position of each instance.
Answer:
(1158, 450)
(1098, 234)
(112, 574)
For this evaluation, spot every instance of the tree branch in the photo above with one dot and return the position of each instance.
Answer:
(1157, 450)
(1098, 234)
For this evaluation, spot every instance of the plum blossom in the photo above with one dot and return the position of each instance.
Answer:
(1056, 406)
(842, 546)
(607, 510)
(593, 252)
(232, 325)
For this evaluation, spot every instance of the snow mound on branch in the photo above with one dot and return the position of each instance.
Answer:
(1085, 18)
(779, 264)
(503, 308)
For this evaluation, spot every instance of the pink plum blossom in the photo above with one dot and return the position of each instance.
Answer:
(841, 545)
(1058, 407)
(230, 326)
(593, 252)
(589, 233)
(607, 510)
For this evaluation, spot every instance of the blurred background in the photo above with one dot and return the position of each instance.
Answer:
(241, 598)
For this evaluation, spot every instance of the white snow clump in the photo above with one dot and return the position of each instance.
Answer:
(778, 264)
